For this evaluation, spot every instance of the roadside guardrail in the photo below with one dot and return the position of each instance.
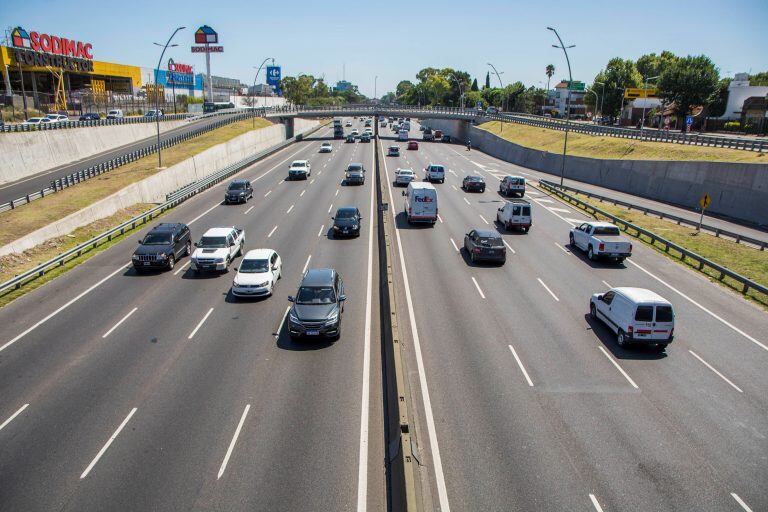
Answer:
(684, 253)
(176, 198)
(62, 125)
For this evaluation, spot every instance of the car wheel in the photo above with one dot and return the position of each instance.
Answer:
(661, 347)
(621, 339)
(525, 230)
(619, 260)
(171, 262)
(591, 254)
(522, 194)
(592, 311)
(188, 248)
(571, 242)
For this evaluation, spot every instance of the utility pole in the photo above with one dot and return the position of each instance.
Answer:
(567, 100)
(645, 103)
(253, 106)
(157, 95)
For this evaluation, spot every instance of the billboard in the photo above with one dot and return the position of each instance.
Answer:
(206, 35)
(273, 78)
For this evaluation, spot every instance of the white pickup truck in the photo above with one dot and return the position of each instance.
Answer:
(601, 240)
(217, 248)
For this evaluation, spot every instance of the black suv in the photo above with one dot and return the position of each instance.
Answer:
(318, 305)
(162, 246)
(239, 191)
(355, 174)
(346, 222)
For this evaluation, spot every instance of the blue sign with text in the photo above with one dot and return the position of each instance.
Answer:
(273, 75)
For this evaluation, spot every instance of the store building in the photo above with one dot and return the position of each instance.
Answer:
(224, 88)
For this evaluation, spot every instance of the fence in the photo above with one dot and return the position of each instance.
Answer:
(701, 262)
(60, 125)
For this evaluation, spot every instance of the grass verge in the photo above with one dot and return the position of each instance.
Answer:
(747, 261)
(23, 220)
(612, 148)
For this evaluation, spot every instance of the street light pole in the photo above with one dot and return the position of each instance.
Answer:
(254, 86)
(567, 100)
(157, 96)
(504, 98)
(602, 98)
(596, 98)
(375, 81)
(645, 103)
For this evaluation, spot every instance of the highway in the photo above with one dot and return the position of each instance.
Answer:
(37, 182)
(525, 403)
(161, 392)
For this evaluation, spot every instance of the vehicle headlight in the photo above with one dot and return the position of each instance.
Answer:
(292, 317)
(335, 228)
(333, 318)
(219, 260)
(355, 226)
(162, 256)
(135, 257)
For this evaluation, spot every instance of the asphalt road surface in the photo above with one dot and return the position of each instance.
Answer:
(526, 403)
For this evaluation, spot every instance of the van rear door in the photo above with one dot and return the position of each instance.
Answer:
(423, 204)
(664, 322)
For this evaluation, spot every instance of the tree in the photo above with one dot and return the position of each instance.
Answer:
(474, 85)
(759, 79)
(618, 75)
(688, 82)
(487, 80)
(474, 96)
(717, 107)
(550, 70)
(653, 65)
(403, 87)
(388, 98)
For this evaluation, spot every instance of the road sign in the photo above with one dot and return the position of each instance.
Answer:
(631, 93)
(575, 85)
(273, 75)
(704, 201)
(207, 49)
(689, 120)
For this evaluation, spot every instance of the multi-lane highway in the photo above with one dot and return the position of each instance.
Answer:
(160, 392)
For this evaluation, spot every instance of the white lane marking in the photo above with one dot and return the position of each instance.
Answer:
(455, 187)
(331, 207)
(182, 268)
(509, 247)
(106, 446)
(561, 210)
(304, 270)
(265, 195)
(566, 251)
(614, 363)
(334, 195)
(291, 208)
(540, 201)
(484, 219)
(234, 440)
(734, 386)
(282, 321)
(454, 245)
(595, 503)
(572, 222)
(199, 325)
(302, 192)
(741, 502)
(281, 182)
(547, 288)
(271, 232)
(6, 422)
(206, 212)
(524, 173)
(248, 210)
(325, 164)
(120, 322)
(532, 193)
(321, 230)
(713, 315)
(465, 200)
(607, 284)
(452, 172)
(62, 308)
(478, 288)
(520, 364)
(437, 460)
(362, 467)
(439, 218)
(478, 164)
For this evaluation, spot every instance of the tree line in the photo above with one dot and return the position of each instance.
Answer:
(308, 90)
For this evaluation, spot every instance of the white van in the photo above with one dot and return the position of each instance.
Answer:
(402, 135)
(406, 125)
(435, 172)
(515, 214)
(636, 315)
(115, 114)
(421, 202)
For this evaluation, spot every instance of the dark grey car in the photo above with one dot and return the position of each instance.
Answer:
(355, 175)
(162, 247)
(485, 245)
(318, 305)
(347, 222)
(239, 191)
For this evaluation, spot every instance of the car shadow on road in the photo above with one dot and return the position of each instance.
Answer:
(504, 231)
(600, 263)
(285, 342)
(149, 272)
(480, 264)
(401, 222)
(608, 338)
(192, 274)
(231, 298)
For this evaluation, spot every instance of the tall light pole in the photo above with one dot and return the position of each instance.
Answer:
(594, 114)
(254, 85)
(602, 98)
(645, 102)
(157, 96)
(504, 98)
(375, 81)
(461, 94)
(567, 100)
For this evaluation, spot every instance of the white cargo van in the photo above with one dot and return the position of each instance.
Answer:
(402, 135)
(406, 125)
(636, 315)
(515, 214)
(421, 202)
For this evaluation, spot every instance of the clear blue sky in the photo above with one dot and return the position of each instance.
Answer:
(394, 39)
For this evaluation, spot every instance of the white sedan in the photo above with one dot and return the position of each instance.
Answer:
(404, 177)
(326, 147)
(258, 272)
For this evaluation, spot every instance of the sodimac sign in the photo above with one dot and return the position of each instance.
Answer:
(40, 49)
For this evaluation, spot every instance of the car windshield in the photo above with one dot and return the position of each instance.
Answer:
(355, 167)
(393, 148)
(345, 214)
(237, 186)
(406, 171)
(213, 242)
(298, 166)
(157, 239)
(437, 168)
(490, 241)
(254, 266)
(474, 178)
(315, 295)
(606, 230)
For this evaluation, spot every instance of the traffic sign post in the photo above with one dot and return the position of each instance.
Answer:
(703, 203)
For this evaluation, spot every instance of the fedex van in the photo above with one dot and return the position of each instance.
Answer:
(421, 202)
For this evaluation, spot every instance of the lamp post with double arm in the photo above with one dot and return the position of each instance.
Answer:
(157, 94)
(567, 100)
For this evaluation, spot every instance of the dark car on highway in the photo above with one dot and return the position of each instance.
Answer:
(239, 191)
(347, 222)
(162, 247)
(355, 175)
(317, 306)
(446, 138)
(473, 183)
(485, 245)
(365, 138)
(350, 138)
(90, 116)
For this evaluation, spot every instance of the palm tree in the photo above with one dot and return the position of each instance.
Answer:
(550, 72)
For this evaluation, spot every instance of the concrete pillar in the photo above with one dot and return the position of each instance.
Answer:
(34, 90)
(288, 122)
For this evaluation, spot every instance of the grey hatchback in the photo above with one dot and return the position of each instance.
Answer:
(318, 305)
(484, 244)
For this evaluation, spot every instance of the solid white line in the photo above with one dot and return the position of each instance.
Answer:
(520, 364)
(566, 251)
(561, 210)
(271, 232)
(547, 288)
(454, 245)
(303, 271)
(439, 218)
(109, 442)
(62, 308)
(607, 284)
(544, 201)
(200, 324)
(280, 327)
(289, 209)
(248, 210)
(234, 440)
(595, 503)
(331, 207)
(437, 463)
(6, 422)
(302, 192)
(206, 212)
(120, 322)
(484, 219)
(265, 195)
(509, 247)
(741, 502)
(713, 315)
(478, 288)
(618, 367)
(321, 230)
(734, 386)
(465, 200)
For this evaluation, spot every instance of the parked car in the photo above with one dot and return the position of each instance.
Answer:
(347, 222)
(115, 114)
(515, 214)
(512, 185)
(473, 182)
(299, 170)
(154, 113)
(393, 151)
(238, 191)
(90, 116)
(403, 177)
(258, 272)
(326, 147)
(355, 174)
(420, 202)
(217, 248)
(162, 247)
(412, 144)
(57, 118)
(485, 245)
(601, 240)
(318, 305)
(636, 315)
(37, 121)
(435, 172)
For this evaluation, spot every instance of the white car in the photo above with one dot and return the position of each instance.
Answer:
(57, 118)
(115, 114)
(36, 121)
(259, 271)
(601, 240)
(299, 170)
(404, 176)
(435, 172)
(355, 132)
(326, 147)
(217, 248)
(348, 123)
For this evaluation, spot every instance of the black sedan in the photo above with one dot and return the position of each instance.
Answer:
(486, 245)
(90, 116)
(350, 138)
(473, 183)
(346, 222)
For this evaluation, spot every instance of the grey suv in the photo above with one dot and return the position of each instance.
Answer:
(318, 305)
(239, 191)
(162, 247)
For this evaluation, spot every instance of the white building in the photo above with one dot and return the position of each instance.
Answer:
(556, 102)
(738, 91)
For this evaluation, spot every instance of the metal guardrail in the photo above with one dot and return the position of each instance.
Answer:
(176, 198)
(737, 237)
(701, 261)
(61, 125)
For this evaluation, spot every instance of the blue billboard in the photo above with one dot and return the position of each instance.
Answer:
(273, 78)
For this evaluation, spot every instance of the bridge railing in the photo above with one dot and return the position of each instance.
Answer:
(62, 125)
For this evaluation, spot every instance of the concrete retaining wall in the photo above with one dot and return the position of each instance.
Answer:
(23, 154)
(154, 188)
(738, 191)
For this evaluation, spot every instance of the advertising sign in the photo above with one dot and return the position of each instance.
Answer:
(207, 49)
(273, 75)
(40, 49)
(206, 35)
(180, 74)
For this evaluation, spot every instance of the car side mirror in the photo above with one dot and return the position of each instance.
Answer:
(333, 218)
(342, 298)
(197, 244)
(291, 298)
(600, 298)
(360, 217)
